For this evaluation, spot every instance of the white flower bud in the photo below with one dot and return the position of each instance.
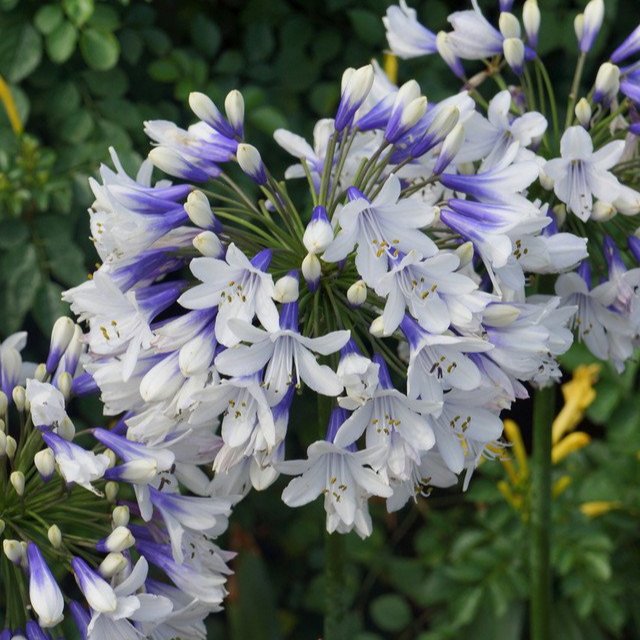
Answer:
(45, 463)
(13, 550)
(357, 293)
(120, 516)
(40, 374)
(61, 335)
(346, 76)
(199, 210)
(319, 233)
(11, 447)
(509, 25)
(603, 211)
(444, 122)
(4, 403)
(3, 443)
(251, 163)
(19, 397)
(66, 429)
(593, 17)
(112, 565)
(446, 52)
(55, 536)
(112, 458)
(140, 471)
(234, 108)
(607, 82)
(560, 213)
(65, 382)
(578, 26)
(204, 108)
(311, 268)
(546, 182)
(359, 84)
(377, 327)
(286, 289)
(413, 112)
(111, 491)
(17, 482)
(408, 92)
(465, 253)
(583, 112)
(500, 315)
(531, 20)
(208, 244)
(450, 148)
(119, 540)
(513, 49)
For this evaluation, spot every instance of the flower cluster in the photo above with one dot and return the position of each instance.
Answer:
(588, 167)
(392, 296)
(86, 514)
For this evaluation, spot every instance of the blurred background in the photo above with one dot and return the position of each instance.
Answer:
(83, 75)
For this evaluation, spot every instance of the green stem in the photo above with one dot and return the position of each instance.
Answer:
(573, 94)
(540, 515)
(334, 587)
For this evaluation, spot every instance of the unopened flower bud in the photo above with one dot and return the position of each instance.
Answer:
(450, 148)
(560, 213)
(591, 23)
(413, 112)
(578, 26)
(45, 463)
(607, 82)
(55, 536)
(40, 374)
(509, 25)
(356, 85)
(118, 540)
(251, 163)
(66, 429)
(443, 123)
(120, 516)
(170, 161)
(208, 244)
(19, 397)
(531, 21)
(111, 491)
(199, 210)
(602, 211)
(513, 49)
(286, 289)
(357, 293)
(408, 107)
(4, 403)
(465, 253)
(583, 112)
(376, 328)
(112, 458)
(112, 565)
(311, 271)
(447, 53)
(234, 108)
(11, 447)
(207, 111)
(319, 233)
(500, 315)
(65, 382)
(17, 482)
(13, 550)
(3, 443)
(546, 182)
(61, 335)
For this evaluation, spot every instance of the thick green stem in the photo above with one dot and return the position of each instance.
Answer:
(334, 628)
(540, 515)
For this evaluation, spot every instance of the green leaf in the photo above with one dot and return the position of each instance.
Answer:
(21, 279)
(367, 25)
(20, 49)
(104, 18)
(48, 306)
(13, 233)
(61, 42)
(79, 11)
(163, 70)
(100, 49)
(47, 18)
(259, 41)
(267, 119)
(113, 83)
(205, 35)
(76, 127)
(390, 612)
(132, 45)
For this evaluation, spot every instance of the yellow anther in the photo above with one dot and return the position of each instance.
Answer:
(512, 431)
(598, 507)
(560, 485)
(569, 444)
